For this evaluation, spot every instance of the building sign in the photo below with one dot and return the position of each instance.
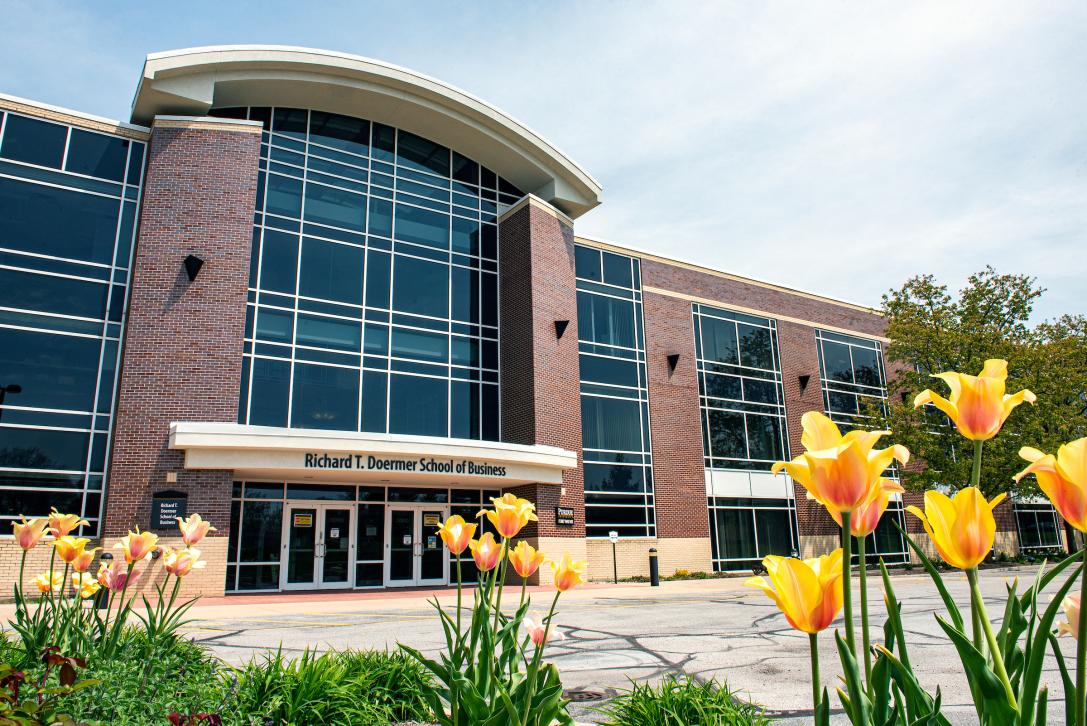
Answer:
(302, 520)
(423, 465)
(432, 520)
(166, 507)
(564, 516)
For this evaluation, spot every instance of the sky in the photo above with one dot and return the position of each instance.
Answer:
(835, 147)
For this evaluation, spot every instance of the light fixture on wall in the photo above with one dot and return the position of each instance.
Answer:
(804, 379)
(560, 328)
(192, 266)
(673, 361)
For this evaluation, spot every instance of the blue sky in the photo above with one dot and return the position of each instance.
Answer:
(836, 147)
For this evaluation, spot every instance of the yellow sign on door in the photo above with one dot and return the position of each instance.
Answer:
(303, 520)
(432, 520)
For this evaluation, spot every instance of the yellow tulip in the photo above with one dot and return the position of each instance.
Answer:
(456, 533)
(82, 561)
(85, 584)
(45, 582)
(1071, 610)
(69, 548)
(137, 545)
(510, 514)
(61, 525)
(194, 528)
(808, 592)
(181, 562)
(840, 472)
(1063, 478)
(569, 573)
(978, 404)
(866, 517)
(486, 552)
(963, 528)
(526, 559)
(29, 534)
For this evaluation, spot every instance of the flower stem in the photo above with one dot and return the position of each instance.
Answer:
(1081, 654)
(459, 581)
(994, 648)
(534, 668)
(847, 583)
(975, 474)
(865, 639)
(501, 575)
(812, 639)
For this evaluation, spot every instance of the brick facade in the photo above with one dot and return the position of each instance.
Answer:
(183, 340)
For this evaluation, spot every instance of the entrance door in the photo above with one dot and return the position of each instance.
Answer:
(318, 547)
(414, 554)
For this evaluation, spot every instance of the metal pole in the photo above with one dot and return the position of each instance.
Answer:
(654, 568)
(614, 565)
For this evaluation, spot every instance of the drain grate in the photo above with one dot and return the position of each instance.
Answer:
(584, 695)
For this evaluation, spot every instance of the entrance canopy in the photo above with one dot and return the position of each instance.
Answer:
(265, 452)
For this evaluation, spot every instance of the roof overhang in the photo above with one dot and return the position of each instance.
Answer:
(265, 452)
(194, 80)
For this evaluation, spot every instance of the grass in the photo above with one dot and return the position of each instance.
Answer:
(677, 702)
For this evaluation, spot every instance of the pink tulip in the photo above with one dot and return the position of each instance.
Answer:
(113, 578)
(538, 630)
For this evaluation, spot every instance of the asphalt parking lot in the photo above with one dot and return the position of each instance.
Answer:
(708, 629)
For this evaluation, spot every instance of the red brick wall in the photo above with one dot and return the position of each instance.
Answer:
(675, 418)
(541, 400)
(183, 340)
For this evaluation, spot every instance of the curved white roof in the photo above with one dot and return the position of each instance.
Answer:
(194, 80)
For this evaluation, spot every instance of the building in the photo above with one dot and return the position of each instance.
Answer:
(325, 302)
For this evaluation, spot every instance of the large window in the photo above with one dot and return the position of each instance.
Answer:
(744, 530)
(68, 206)
(618, 463)
(1039, 525)
(373, 292)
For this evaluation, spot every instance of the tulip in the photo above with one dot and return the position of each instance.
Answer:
(978, 404)
(526, 559)
(29, 534)
(866, 517)
(540, 633)
(47, 582)
(456, 533)
(137, 545)
(486, 552)
(82, 561)
(840, 472)
(510, 514)
(62, 524)
(112, 578)
(193, 529)
(85, 584)
(68, 548)
(1071, 609)
(181, 562)
(568, 573)
(809, 593)
(1063, 478)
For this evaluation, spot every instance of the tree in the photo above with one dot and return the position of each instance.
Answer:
(932, 331)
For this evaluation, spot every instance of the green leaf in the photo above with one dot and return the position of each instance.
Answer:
(894, 614)
(856, 703)
(949, 602)
(993, 704)
(916, 702)
(1066, 680)
(1032, 671)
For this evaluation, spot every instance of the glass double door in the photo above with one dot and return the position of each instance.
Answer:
(414, 553)
(318, 546)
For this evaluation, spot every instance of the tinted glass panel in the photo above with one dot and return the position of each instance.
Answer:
(97, 155)
(335, 207)
(48, 293)
(271, 383)
(278, 261)
(57, 222)
(341, 132)
(53, 371)
(755, 347)
(719, 341)
(617, 270)
(416, 152)
(836, 362)
(331, 271)
(284, 196)
(611, 423)
(325, 398)
(43, 449)
(34, 141)
(587, 263)
(422, 226)
(418, 406)
(421, 287)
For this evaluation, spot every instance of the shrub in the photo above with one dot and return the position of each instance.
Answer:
(680, 703)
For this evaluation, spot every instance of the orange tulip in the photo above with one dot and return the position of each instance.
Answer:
(1071, 610)
(962, 529)
(82, 561)
(181, 562)
(866, 517)
(29, 534)
(194, 529)
(137, 545)
(568, 573)
(45, 582)
(840, 472)
(85, 584)
(510, 514)
(808, 592)
(486, 552)
(525, 559)
(62, 524)
(69, 548)
(1063, 478)
(456, 533)
(978, 404)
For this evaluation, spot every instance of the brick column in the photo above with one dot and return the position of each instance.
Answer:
(541, 401)
(183, 340)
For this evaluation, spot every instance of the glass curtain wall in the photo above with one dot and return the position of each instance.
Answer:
(373, 292)
(1039, 525)
(743, 429)
(854, 381)
(69, 199)
(618, 459)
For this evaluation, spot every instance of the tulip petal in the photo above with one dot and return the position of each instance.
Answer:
(939, 402)
(1072, 462)
(819, 431)
(995, 368)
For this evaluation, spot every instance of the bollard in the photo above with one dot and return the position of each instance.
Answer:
(654, 568)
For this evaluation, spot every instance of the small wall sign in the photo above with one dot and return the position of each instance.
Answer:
(432, 520)
(166, 507)
(564, 516)
(302, 520)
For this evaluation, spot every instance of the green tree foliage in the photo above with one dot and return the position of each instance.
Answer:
(933, 331)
